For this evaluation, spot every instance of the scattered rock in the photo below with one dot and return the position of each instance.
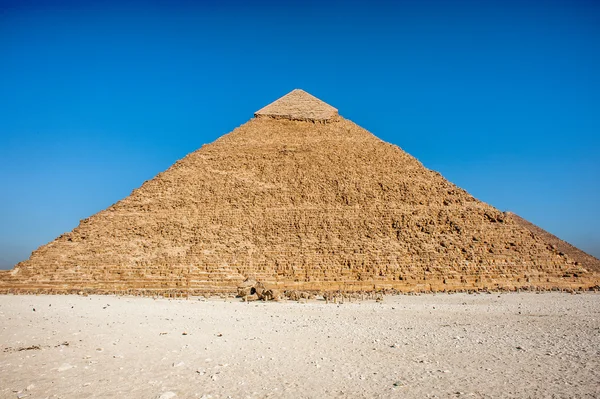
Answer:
(259, 289)
(246, 287)
(167, 395)
(250, 298)
(294, 295)
(252, 290)
(272, 295)
(25, 348)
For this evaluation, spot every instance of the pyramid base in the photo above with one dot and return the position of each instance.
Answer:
(410, 285)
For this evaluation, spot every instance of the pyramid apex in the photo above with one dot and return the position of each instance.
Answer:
(298, 105)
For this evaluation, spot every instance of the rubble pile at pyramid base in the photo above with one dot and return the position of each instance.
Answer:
(305, 206)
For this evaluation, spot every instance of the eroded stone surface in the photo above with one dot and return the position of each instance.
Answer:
(298, 205)
(557, 245)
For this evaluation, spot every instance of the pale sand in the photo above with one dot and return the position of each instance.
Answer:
(486, 345)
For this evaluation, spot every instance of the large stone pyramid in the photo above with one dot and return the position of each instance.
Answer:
(300, 198)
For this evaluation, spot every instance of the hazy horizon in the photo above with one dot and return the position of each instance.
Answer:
(501, 98)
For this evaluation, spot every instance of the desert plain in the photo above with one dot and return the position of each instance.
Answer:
(489, 345)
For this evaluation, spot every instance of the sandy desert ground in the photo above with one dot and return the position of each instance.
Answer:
(484, 345)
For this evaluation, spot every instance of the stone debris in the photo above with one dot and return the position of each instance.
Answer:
(246, 288)
(22, 348)
(167, 395)
(294, 295)
(251, 290)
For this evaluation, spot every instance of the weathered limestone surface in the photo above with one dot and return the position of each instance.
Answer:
(298, 205)
(557, 245)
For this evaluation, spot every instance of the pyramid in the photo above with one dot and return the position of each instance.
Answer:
(300, 198)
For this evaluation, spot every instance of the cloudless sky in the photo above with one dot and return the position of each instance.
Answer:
(502, 98)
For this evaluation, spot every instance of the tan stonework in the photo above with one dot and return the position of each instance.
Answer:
(299, 105)
(299, 206)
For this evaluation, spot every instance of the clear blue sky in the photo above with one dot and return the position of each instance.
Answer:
(502, 98)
